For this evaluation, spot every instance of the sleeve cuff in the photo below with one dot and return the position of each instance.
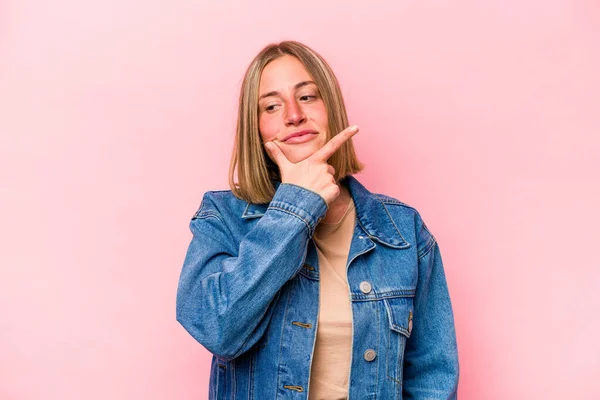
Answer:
(304, 203)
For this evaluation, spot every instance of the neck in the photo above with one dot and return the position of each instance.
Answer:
(338, 206)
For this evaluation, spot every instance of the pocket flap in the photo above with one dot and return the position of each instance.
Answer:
(400, 314)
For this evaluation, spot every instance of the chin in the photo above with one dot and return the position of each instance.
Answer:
(297, 155)
(300, 152)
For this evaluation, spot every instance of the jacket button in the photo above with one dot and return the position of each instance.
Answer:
(370, 355)
(365, 287)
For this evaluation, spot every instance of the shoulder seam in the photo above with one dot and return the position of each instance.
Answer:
(392, 201)
(218, 191)
(210, 211)
(428, 247)
(207, 214)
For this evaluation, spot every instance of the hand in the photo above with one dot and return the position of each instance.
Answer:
(313, 173)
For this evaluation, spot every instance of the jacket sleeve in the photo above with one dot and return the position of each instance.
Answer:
(226, 289)
(431, 357)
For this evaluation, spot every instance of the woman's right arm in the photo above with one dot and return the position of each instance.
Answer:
(226, 289)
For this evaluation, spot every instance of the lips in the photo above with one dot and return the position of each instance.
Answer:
(299, 133)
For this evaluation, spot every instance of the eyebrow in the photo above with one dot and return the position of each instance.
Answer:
(296, 86)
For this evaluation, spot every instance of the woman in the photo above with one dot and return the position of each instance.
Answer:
(301, 282)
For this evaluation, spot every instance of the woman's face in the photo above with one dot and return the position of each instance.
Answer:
(291, 111)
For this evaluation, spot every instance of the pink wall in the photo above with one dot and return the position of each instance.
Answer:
(115, 117)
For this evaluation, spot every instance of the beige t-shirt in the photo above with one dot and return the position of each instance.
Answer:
(333, 347)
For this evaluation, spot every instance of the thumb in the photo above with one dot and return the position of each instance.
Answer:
(277, 155)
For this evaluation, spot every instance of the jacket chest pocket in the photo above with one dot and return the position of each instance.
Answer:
(400, 315)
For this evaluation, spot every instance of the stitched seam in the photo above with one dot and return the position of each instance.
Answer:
(366, 232)
(392, 201)
(219, 378)
(244, 214)
(400, 329)
(389, 356)
(393, 325)
(309, 275)
(208, 214)
(289, 294)
(394, 223)
(388, 311)
(378, 346)
(303, 188)
(430, 245)
(389, 315)
(199, 210)
(285, 205)
(233, 383)
(294, 214)
(384, 295)
(401, 352)
(220, 191)
(251, 375)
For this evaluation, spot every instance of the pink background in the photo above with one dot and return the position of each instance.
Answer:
(116, 116)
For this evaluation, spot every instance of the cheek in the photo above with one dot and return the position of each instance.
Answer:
(324, 116)
(319, 114)
(268, 129)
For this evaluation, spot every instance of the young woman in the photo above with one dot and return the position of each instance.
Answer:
(301, 282)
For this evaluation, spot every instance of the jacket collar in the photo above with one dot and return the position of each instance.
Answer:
(371, 214)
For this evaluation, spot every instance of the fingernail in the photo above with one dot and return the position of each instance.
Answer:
(354, 128)
(268, 145)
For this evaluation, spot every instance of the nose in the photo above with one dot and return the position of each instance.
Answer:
(294, 114)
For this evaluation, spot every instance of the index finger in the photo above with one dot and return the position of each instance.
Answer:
(335, 143)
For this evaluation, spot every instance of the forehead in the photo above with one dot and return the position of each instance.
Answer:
(283, 73)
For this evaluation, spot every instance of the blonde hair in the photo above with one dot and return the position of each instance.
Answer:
(255, 170)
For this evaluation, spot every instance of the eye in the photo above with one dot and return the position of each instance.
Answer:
(307, 97)
(270, 108)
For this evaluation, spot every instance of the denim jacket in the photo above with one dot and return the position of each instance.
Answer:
(249, 293)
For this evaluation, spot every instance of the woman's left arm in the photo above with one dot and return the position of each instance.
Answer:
(431, 356)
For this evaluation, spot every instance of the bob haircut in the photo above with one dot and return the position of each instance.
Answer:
(256, 172)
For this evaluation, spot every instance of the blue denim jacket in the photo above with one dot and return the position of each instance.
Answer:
(249, 293)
